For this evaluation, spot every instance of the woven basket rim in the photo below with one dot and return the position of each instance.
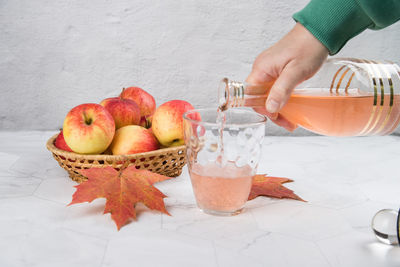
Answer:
(72, 155)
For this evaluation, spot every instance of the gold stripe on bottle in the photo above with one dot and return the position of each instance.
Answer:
(380, 110)
(242, 95)
(334, 78)
(233, 96)
(235, 100)
(396, 122)
(373, 111)
(389, 113)
(341, 79)
(238, 96)
(346, 90)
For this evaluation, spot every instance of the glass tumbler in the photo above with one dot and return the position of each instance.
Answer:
(223, 157)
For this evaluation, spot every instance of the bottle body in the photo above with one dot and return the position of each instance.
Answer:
(347, 97)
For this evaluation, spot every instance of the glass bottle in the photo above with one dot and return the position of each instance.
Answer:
(346, 97)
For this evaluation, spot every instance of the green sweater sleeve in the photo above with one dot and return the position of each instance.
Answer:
(334, 22)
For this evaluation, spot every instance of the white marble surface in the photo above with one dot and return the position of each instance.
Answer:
(345, 180)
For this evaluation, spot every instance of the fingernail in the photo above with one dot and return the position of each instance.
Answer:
(272, 106)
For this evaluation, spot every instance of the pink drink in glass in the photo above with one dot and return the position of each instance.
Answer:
(221, 190)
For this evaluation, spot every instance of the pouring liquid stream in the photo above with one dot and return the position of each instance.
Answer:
(221, 120)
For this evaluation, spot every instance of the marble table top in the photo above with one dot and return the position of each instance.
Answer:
(345, 180)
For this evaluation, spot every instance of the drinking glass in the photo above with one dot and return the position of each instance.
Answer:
(222, 157)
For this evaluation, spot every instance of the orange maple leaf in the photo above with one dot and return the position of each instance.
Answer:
(122, 189)
(264, 185)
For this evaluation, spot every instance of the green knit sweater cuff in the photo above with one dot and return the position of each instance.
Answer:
(333, 22)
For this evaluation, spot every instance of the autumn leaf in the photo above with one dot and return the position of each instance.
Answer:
(122, 189)
(264, 185)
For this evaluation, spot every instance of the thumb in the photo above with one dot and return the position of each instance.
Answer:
(283, 87)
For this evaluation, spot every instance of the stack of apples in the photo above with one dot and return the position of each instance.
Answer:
(127, 124)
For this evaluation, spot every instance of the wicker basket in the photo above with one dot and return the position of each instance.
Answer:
(166, 161)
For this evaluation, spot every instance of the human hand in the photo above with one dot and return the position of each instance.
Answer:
(293, 59)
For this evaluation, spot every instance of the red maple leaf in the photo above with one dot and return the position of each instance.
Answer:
(264, 185)
(122, 189)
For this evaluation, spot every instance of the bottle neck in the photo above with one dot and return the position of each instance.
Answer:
(230, 94)
(241, 94)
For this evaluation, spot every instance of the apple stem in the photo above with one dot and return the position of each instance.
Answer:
(147, 124)
(88, 121)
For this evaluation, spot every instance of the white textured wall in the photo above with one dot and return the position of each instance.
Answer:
(57, 54)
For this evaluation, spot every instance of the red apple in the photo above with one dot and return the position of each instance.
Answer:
(167, 122)
(133, 139)
(60, 142)
(146, 101)
(88, 129)
(124, 111)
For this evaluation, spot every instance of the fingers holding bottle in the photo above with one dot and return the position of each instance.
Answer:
(277, 118)
(293, 59)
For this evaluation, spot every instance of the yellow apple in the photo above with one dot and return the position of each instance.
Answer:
(88, 129)
(167, 122)
(133, 139)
